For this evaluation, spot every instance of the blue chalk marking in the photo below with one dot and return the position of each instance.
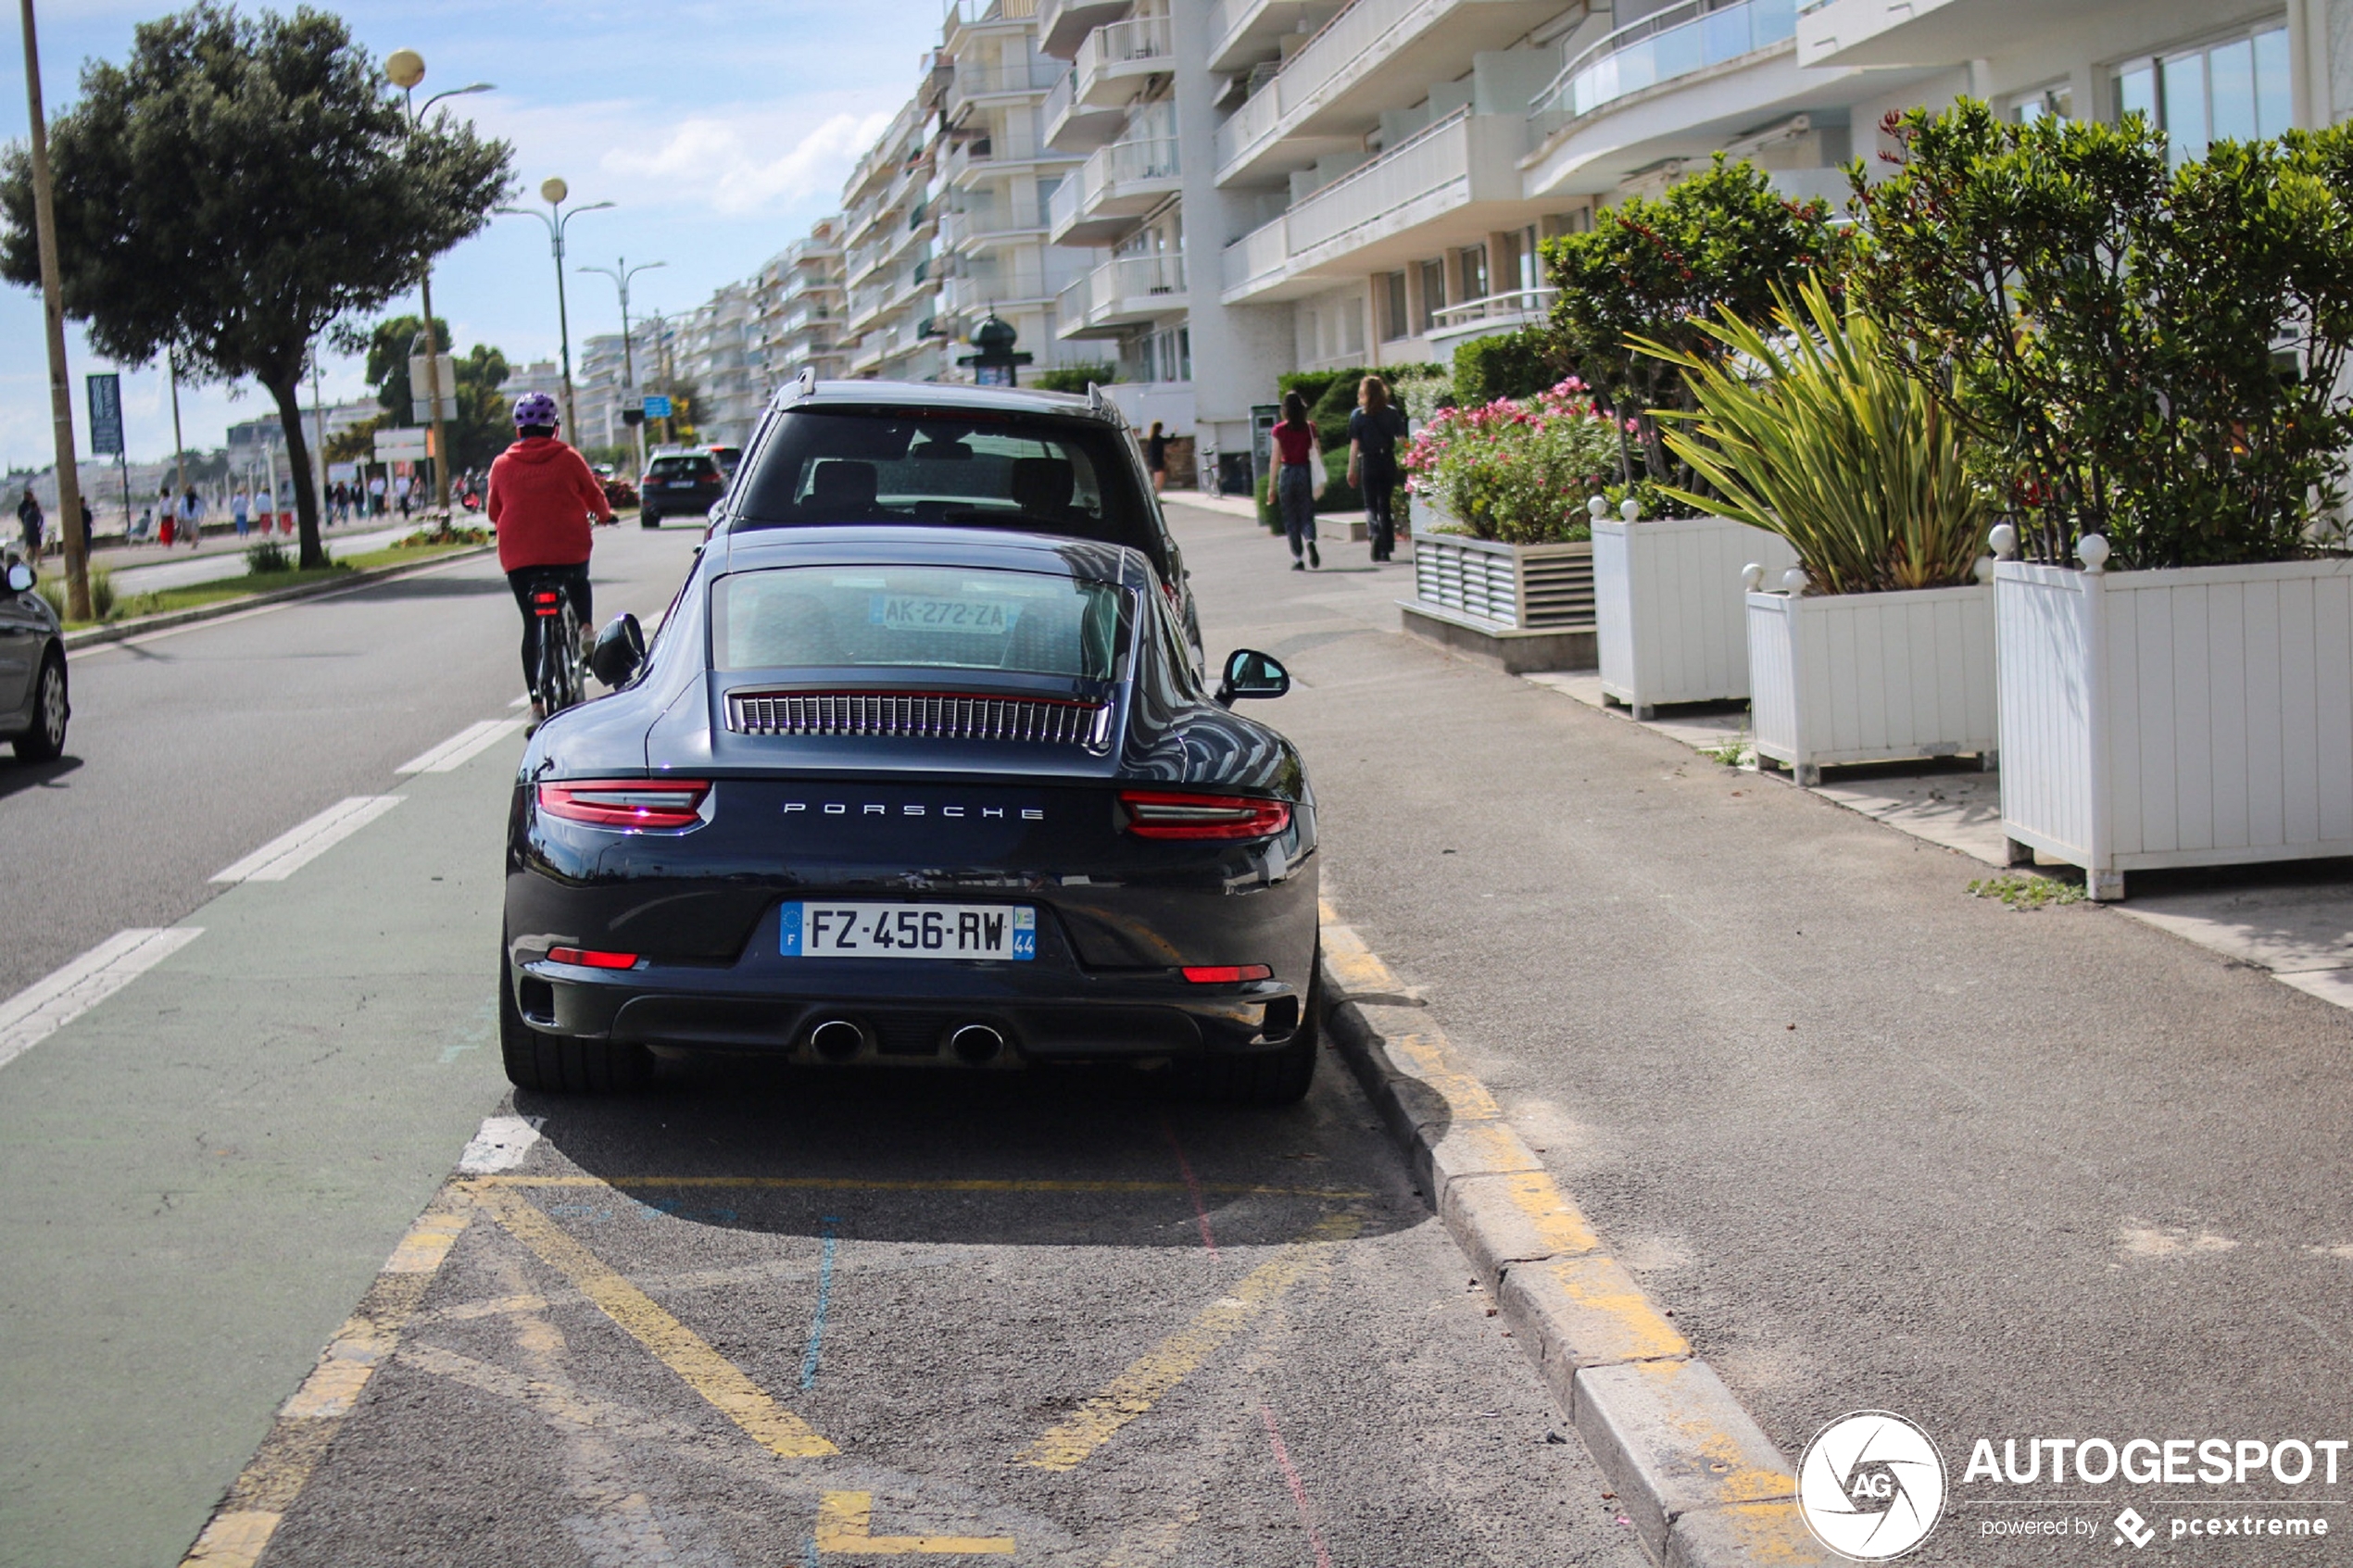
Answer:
(824, 1296)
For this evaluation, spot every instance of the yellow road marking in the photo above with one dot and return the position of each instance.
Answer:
(845, 1522)
(681, 1349)
(1151, 1375)
(861, 1184)
(240, 1529)
(1559, 1224)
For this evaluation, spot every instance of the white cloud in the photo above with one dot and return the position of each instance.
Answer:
(748, 162)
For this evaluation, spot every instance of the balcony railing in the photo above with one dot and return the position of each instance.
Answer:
(1513, 306)
(1137, 160)
(1422, 165)
(973, 13)
(1028, 76)
(1662, 46)
(1116, 49)
(1137, 286)
(1343, 46)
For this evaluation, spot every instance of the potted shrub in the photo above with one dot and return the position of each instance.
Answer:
(1878, 645)
(2151, 356)
(1503, 560)
(1666, 591)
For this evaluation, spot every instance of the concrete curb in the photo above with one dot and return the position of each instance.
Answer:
(121, 631)
(1703, 1485)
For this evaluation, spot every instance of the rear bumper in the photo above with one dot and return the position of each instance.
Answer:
(907, 1012)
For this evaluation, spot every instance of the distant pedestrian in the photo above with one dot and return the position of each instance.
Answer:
(192, 516)
(1298, 457)
(1373, 429)
(265, 508)
(29, 520)
(239, 511)
(376, 495)
(1156, 457)
(89, 527)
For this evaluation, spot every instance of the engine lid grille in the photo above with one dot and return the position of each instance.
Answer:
(922, 716)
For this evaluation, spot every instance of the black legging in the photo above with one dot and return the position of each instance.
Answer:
(573, 581)
(1379, 497)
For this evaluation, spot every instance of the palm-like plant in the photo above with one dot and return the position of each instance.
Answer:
(1815, 433)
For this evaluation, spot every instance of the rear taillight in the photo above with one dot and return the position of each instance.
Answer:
(1153, 813)
(1227, 974)
(588, 957)
(627, 803)
(546, 603)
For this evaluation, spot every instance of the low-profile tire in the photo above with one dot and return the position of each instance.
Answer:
(45, 741)
(1275, 1078)
(649, 519)
(556, 1065)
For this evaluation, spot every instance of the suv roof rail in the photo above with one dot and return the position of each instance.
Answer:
(1105, 408)
(806, 382)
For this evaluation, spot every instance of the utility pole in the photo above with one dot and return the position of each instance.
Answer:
(53, 310)
(404, 69)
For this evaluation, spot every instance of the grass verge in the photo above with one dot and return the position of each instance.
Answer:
(196, 596)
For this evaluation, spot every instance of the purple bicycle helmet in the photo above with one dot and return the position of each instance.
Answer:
(535, 408)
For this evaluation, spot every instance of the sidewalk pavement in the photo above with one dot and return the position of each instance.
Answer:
(211, 564)
(1872, 1142)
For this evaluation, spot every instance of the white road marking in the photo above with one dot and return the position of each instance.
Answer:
(295, 848)
(461, 747)
(522, 701)
(500, 1146)
(46, 1006)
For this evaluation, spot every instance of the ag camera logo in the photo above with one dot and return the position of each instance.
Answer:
(1870, 1485)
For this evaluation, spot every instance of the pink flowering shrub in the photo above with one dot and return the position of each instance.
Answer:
(1517, 471)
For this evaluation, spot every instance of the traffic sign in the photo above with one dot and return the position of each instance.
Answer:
(657, 406)
(403, 446)
(105, 415)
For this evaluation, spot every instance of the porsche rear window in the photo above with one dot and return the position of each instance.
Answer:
(918, 618)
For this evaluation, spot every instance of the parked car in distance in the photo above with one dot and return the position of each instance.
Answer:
(680, 483)
(909, 795)
(33, 706)
(730, 458)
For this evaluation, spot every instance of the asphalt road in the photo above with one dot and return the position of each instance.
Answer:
(1876, 1143)
(1066, 1319)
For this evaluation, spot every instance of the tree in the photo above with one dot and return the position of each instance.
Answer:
(1718, 240)
(234, 187)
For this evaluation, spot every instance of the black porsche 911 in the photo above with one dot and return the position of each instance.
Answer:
(907, 794)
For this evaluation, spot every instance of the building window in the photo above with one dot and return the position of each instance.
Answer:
(1395, 320)
(1474, 272)
(2234, 90)
(2054, 102)
(1433, 291)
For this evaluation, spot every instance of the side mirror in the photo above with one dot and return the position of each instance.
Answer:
(619, 649)
(1251, 673)
(19, 578)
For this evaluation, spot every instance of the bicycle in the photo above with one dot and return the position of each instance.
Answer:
(556, 661)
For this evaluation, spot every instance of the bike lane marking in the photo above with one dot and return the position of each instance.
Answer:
(50, 1003)
(461, 747)
(304, 842)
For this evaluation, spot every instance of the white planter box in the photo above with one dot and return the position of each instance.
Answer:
(1667, 604)
(1522, 607)
(2194, 717)
(1872, 677)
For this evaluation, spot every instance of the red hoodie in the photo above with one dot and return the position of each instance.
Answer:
(541, 496)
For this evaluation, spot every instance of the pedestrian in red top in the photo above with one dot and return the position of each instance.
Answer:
(1297, 455)
(542, 496)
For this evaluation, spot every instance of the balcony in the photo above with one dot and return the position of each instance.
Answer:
(1663, 46)
(1445, 185)
(1123, 291)
(1073, 127)
(1496, 314)
(977, 84)
(1116, 186)
(994, 288)
(1241, 31)
(1373, 56)
(1062, 24)
(1113, 62)
(1931, 33)
(979, 225)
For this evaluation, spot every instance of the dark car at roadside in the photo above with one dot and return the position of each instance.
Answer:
(679, 484)
(33, 698)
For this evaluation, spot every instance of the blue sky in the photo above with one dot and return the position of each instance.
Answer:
(722, 128)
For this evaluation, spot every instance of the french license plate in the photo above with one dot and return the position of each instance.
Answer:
(846, 930)
(916, 612)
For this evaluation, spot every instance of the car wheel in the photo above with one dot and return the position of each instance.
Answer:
(648, 519)
(45, 741)
(1273, 1078)
(554, 1065)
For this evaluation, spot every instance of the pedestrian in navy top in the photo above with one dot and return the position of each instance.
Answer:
(1374, 426)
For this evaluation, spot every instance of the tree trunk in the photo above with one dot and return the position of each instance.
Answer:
(289, 396)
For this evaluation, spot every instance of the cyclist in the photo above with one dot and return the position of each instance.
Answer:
(542, 496)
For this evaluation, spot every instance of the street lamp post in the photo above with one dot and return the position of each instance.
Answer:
(553, 192)
(621, 272)
(404, 69)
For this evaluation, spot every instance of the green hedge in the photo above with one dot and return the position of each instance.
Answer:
(1073, 378)
(1515, 365)
(1331, 395)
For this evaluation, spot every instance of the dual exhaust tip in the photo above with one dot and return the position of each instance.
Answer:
(841, 1039)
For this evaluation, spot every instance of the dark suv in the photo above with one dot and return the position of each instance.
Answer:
(679, 484)
(830, 453)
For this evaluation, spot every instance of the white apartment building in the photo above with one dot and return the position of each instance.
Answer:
(891, 223)
(714, 355)
(798, 309)
(1273, 185)
(597, 389)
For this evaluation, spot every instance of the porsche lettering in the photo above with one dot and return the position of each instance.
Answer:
(912, 808)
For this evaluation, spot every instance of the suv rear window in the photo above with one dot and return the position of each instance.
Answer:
(967, 467)
(685, 468)
(918, 617)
